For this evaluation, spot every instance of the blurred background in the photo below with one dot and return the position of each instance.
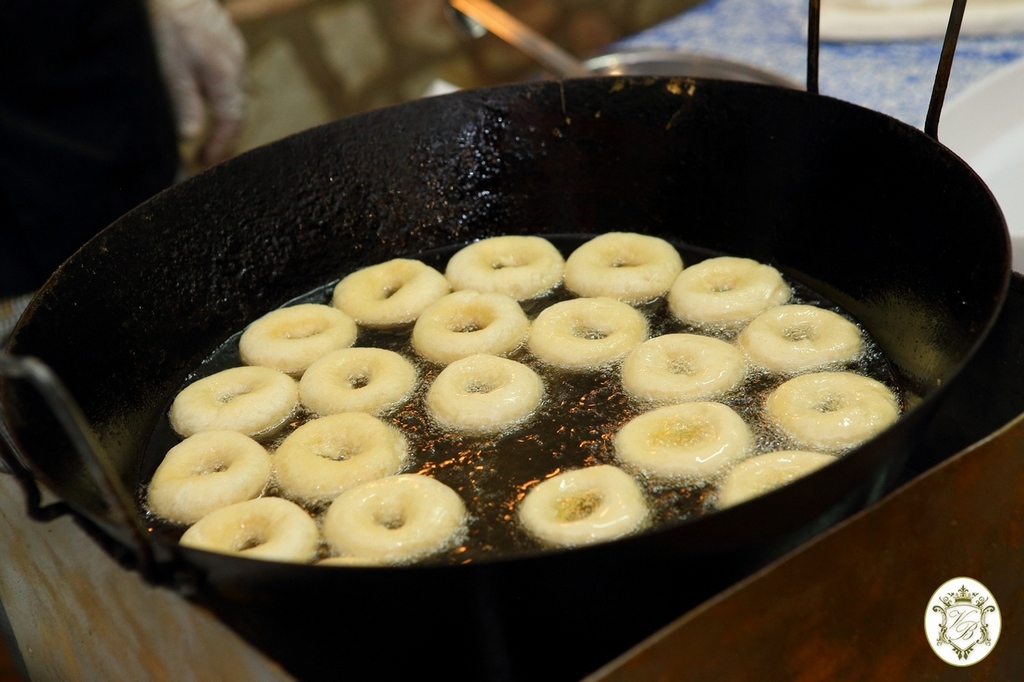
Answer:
(311, 61)
(84, 94)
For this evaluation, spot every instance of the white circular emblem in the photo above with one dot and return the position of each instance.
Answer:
(962, 622)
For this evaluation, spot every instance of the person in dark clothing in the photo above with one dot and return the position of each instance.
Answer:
(89, 90)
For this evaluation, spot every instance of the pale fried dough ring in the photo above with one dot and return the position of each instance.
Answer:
(726, 291)
(484, 394)
(584, 506)
(763, 473)
(370, 380)
(268, 528)
(832, 411)
(680, 367)
(207, 471)
(394, 520)
(290, 339)
(688, 440)
(797, 338)
(466, 323)
(626, 266)
(255, 401)
(326, 456)
(522, 267)
(389, 294)
(586, 333)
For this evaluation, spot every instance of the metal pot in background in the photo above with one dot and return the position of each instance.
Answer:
(674, 63)
(475, 18)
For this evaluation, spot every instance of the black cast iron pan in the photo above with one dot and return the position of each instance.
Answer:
(870, 212)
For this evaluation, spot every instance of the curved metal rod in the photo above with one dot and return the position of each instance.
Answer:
(813, 44)
(956, 18)
(74, 425)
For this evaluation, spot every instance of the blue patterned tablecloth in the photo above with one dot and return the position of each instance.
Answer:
(894, 77)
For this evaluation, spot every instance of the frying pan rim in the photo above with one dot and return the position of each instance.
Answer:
(484, 93)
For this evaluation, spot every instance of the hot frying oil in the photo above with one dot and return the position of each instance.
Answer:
(573, 427)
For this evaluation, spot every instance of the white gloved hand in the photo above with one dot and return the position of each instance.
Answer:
(202, 57)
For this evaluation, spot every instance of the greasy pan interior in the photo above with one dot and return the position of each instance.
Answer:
(868, 211)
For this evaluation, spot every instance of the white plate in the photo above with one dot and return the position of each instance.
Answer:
(874, 20)
(984, 126)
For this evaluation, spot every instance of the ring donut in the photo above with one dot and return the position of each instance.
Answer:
(255, 401)
(268, 528)
(832, 411)
(630, 267)
(679, 367)
(370, 380)
(693, 439)
(726, 291)
(326, 456)
(466, 323)
(586, 333)
(205, 472)
(796, 338)
(484, 394)
(395, 520)
(763, 473)
(389, 294)
(583, 506)
(290, 339)
(523, 267)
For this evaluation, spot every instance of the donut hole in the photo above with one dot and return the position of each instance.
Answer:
(359, 380)
(624, 258)
(465, 327)
(214, 467)
(801, 331)
(390, 516)
(305, 330)
(721, 284)
(390, 289)
(508, 261)
(467, 324)
(831, 403)
(472, 318)
(339, 452)
(481, 386)
(578, 506)
(683, 434)
(250, 539)
(226, 396)
(588, 332)
(681, 365)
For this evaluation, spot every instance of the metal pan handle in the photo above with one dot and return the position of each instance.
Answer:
(97, 464)
(931, 123)
(11, 464)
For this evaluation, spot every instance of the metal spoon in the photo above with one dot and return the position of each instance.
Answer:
(477, 17)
